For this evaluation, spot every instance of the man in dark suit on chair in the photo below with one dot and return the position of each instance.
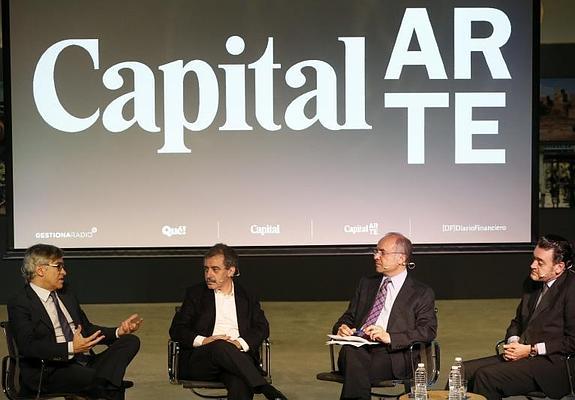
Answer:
(220, 328)
(389, 307)
(49, 324)
(541, 333)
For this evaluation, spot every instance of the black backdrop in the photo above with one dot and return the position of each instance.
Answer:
(293, 278)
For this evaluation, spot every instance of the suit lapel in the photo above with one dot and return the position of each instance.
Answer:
(371, 292)
(39, 308)
(241, 309)
(70, 305)
(549, 298)
(401, 299)
(209, 302)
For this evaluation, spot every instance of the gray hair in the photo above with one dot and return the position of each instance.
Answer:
(402, 244)
(39, 254)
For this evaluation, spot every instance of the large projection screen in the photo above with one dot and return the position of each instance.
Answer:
(181, 123)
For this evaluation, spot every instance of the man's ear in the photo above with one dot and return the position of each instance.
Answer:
(39, 270)
(231, 271)
(559, 267)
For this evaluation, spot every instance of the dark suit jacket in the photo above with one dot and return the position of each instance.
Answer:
(35, 335)
(412, 316)
(553, 322)
(198, 317)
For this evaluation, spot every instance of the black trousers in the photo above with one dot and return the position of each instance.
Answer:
(221, 360)
(360, 367)
(94, 375)
(494, 378)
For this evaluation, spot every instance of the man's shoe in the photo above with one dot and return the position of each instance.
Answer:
(127, 384)
(271, 393)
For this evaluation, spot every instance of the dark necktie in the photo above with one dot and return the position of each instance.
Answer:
(64, 325)
(378, 303)
(544, 290)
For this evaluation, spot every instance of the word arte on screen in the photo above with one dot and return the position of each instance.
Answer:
(415, 22)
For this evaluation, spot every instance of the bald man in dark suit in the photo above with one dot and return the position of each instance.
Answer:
(405, 316)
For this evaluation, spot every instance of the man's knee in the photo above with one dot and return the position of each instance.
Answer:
(221, 347)
(482, 376)
(129, 342)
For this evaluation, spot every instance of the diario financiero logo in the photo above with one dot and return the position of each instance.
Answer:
(89, 234)
(141, 98)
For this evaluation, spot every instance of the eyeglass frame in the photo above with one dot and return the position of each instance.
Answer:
(59, 266)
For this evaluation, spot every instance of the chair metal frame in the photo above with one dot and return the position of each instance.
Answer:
(11, 384)
(429, 354)
(194, 385)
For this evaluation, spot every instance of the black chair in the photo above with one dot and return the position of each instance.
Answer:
(428, 353)
(11, 382)
(569, 365)
(211, 386)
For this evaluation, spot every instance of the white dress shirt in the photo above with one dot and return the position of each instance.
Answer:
(226, 319)
(50, 307)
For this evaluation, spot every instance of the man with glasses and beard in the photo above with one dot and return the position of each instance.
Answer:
(50, 326)
(390, 308)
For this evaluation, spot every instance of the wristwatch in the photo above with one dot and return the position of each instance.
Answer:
(533, 351)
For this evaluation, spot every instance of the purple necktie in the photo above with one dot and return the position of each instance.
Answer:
(64, 324)
(377, 304)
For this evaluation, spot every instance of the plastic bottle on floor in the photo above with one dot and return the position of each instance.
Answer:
(420, 382)
(455, 383)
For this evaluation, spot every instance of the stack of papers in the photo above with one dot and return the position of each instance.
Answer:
(349, 340)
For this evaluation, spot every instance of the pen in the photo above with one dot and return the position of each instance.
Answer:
(359, 332)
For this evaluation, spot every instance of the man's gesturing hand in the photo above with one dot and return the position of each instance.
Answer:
(82, 344)
(132, 324)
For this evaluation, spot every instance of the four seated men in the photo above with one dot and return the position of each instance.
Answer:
(221, 326)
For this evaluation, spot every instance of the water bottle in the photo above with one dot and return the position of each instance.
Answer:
(455, 383)
(420, 382)
(459, 363)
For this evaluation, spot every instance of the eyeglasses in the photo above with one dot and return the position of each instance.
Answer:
(383, 252)
(59, 266)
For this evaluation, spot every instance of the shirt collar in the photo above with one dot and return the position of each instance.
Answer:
(397, 280)
(220, 293)
(42, 293)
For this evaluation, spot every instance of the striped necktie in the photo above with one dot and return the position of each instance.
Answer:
(378, 303)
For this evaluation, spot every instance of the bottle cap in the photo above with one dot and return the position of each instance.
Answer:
(458, 359)
(420, 365)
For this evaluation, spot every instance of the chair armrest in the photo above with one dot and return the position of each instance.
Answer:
(570, 359)
(429, 353)
(173, 361)
(266, 357)
(498, 346)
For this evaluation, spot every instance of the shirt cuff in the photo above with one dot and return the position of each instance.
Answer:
(513, 339)
(198, 341)
(541, 350)
(245, 345)
(70, 350)
(117, 334)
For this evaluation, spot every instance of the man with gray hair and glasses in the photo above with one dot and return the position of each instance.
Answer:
(48, 324)
(391, 308)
